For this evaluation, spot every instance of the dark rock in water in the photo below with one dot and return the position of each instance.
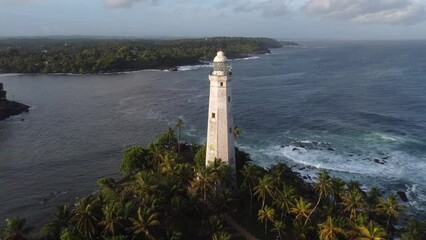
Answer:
(378, 161)
(351, 155)
(384, 158)
(10, 108)
(305, 177)
(302, 168)
(402, 195)
(295, 149)
(330, 149)
(282, 146)
(302, 146)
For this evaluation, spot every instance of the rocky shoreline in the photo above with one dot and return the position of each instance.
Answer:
(10, 108)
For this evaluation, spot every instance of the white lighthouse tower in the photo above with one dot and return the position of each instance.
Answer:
(220, 137)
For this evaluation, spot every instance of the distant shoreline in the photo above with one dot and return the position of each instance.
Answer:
(173, 69)
(89, 56)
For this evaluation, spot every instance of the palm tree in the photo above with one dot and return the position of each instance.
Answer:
(330, 229)
(353, 203)
(169, 159)
(83, 218)
(218, 171)
(354, 185)
(221, 236)
(184, 173)
(371, 232)
(338, 189)
(15, 229)
(203, 183)
(179, 125)
(61, 217)
(142, 185)
(146, 219)
(389, 207)
(302, 210)
(284, 199)
(264, 188)
(250, 173)
(372, 199)
(266, 214)
(111, 221)
(301, 231)
(157, 154)
(223, 203)
(277, 173)
(414, 230)
(62, 214)
(324, 187)
(279, 228)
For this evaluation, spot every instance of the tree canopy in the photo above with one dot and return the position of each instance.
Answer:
(81, 56)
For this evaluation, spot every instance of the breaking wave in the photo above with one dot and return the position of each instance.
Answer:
(193, 67)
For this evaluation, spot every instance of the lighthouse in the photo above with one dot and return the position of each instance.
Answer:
(220, 137)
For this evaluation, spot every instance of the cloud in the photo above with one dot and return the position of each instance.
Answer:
(266, 7)
(368, 11)
(125, 3)
(14, 2)
(269, 8)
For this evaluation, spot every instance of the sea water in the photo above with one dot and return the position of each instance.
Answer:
(356, 109)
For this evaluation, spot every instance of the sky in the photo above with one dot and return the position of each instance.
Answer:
(286, 19)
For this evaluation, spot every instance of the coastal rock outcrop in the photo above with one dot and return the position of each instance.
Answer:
(10, 108)
(402, 195)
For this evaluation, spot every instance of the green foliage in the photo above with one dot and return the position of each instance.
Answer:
(200, 158)
(58, 221)
(94, 55)
(15, 229)
(167, 140)
(167, 194)
(134, 160)
(68, 234)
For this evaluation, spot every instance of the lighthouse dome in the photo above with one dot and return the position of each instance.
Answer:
(220, 57)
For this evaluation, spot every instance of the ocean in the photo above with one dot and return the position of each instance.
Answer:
(356, 109)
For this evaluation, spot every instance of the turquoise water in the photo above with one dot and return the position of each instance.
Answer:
(357, 109)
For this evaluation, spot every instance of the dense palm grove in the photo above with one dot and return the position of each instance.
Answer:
(167, 193)
(99, 56)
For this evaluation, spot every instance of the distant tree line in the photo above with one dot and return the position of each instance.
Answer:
(44, 55)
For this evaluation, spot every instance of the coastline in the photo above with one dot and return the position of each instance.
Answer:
(11, 108)
(177, 68)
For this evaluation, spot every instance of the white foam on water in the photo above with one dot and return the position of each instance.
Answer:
(193, 67)
(384, 137)
(416, 196)
(395, 165)
(68, 74)
(246, 58)
(131, 99)
(10, 74)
